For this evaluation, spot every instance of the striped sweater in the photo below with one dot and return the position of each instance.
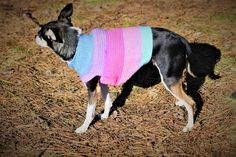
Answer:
(114, 55)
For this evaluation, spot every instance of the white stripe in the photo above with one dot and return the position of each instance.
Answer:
(189, 70)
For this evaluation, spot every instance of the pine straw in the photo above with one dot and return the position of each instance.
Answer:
(42, 102)
(40, 111)
(35, 122)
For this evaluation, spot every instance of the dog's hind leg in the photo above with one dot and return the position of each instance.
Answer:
(174, 86)
(92, 100)
(178, 92)
(107, 100)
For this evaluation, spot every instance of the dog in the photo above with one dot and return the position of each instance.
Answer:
(170, 58)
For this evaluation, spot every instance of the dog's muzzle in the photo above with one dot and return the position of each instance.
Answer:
(41, 42)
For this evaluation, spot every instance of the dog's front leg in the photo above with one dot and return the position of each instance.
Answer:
(92, 100)
(107, 100)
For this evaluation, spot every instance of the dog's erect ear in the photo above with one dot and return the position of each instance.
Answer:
(66, 12)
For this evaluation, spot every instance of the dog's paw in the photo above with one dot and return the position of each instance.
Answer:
(187, 129)
(104, 116)
(81, 130)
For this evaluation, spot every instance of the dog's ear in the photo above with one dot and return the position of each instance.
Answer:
(65, 14)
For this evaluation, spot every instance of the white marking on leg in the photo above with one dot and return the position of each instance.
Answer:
(108, 105)
(189, 125)
(89, 118)
(107, 100)
(90, 112)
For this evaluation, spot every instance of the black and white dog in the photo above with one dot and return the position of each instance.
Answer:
(171, 58)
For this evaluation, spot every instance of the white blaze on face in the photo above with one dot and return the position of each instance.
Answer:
(41, 42)
(50, 34)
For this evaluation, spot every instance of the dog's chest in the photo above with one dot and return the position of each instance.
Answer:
(114, 55)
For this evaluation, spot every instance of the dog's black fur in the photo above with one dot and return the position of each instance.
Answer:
(172, 55)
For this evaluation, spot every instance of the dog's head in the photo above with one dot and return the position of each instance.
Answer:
(59, 35)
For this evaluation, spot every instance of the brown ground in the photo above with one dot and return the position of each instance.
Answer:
(42, 101)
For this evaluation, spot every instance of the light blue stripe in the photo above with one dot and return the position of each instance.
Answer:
(83, 58)
(147, 44)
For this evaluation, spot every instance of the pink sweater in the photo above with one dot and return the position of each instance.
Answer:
(114, 55)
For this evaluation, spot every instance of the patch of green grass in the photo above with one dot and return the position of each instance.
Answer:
(17, 50)
(215, 22)
(81, 18)
(21, 50)
(207, 30)
(222, 17)
(16, 54)
(128, 23)
(9, 62)
(198, 18)
(226, 61)
(233, 69)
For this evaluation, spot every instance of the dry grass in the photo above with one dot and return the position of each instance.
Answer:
(42, 101)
